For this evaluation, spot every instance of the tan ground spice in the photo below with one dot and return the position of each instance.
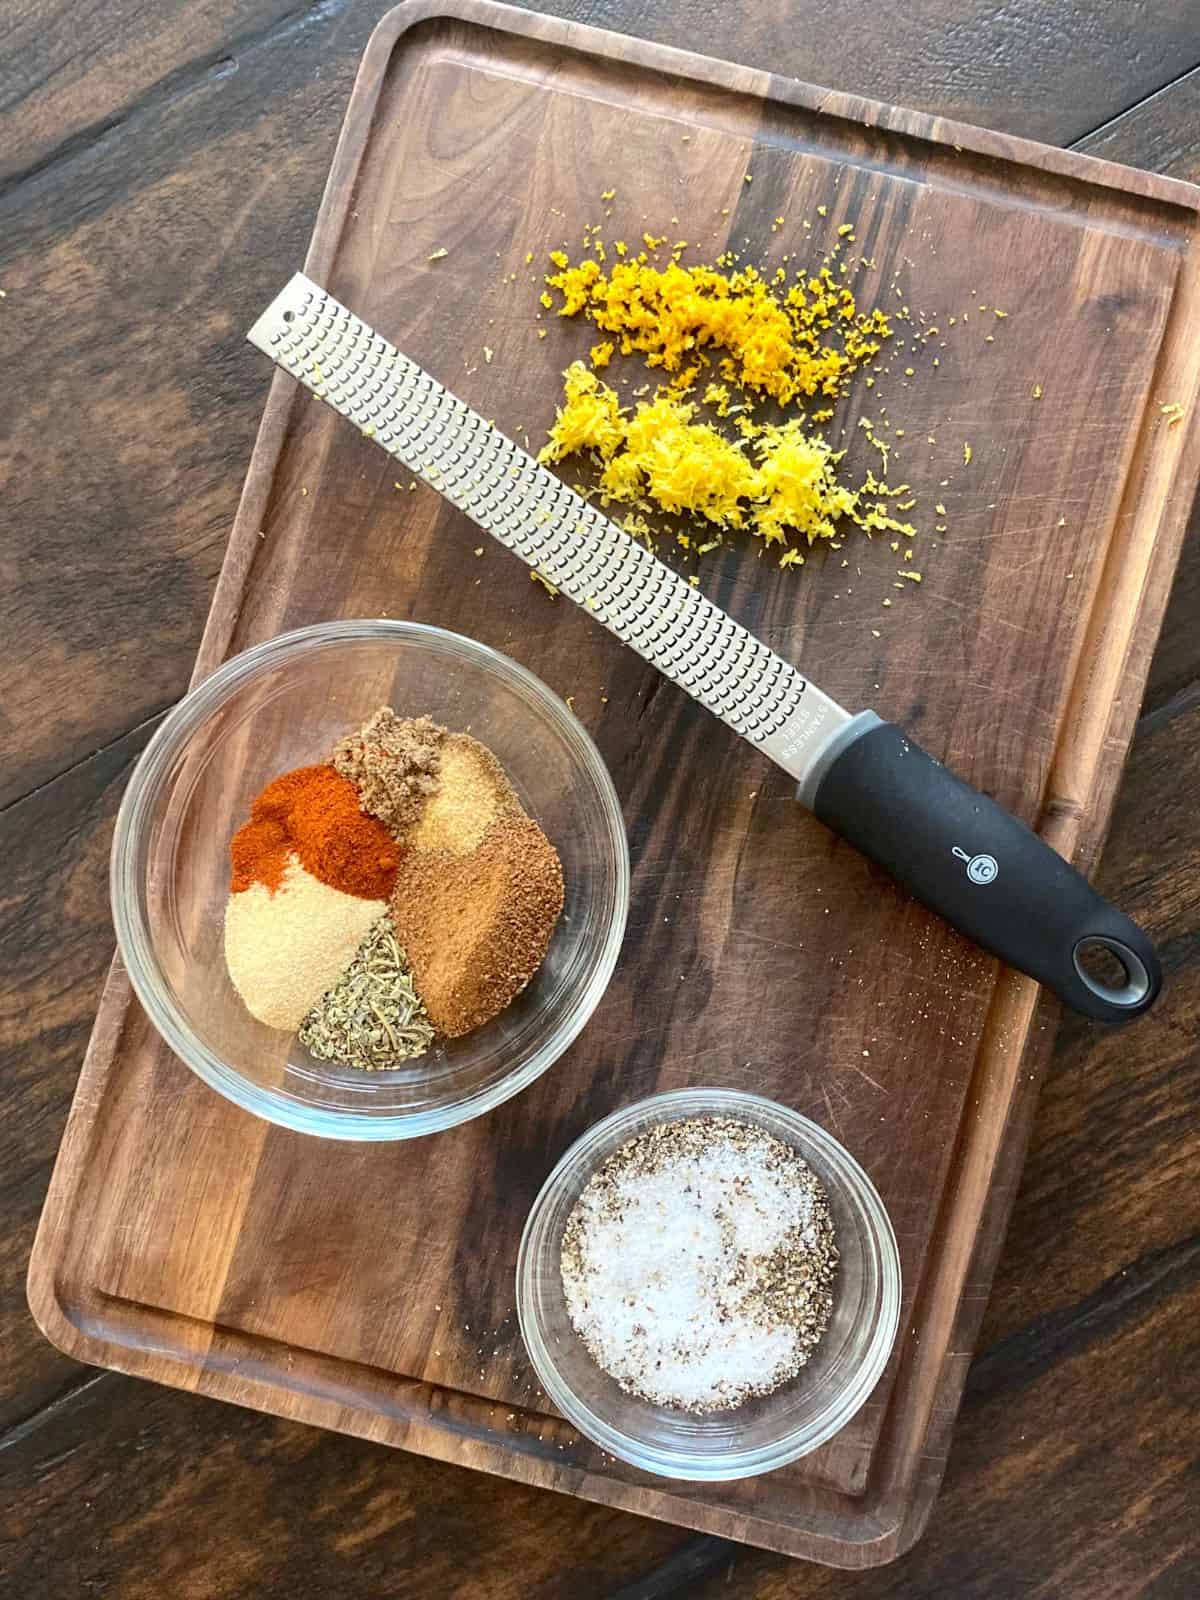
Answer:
(393, 762)
(476, 926)
(473, 790)
(285, 948)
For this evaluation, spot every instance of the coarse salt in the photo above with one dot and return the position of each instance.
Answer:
(697, 1264)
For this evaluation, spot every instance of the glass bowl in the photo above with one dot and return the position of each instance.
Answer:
(281, 705)
(769, 1430)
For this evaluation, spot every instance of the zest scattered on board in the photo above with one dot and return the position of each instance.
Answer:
(735, 436)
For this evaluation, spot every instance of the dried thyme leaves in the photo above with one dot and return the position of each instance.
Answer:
(372, 1017)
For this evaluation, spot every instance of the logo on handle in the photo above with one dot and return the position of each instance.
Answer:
(980, 869)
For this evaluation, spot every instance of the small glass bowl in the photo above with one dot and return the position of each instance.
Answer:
(765, 1432)
(284, 704)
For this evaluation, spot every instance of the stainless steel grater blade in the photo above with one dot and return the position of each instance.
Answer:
(952, 847)
(544, 522)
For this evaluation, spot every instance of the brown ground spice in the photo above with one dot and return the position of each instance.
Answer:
(476, 926)
(393, 762)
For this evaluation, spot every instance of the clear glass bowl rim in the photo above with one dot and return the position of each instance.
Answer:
(133, 934)
(660, 1460)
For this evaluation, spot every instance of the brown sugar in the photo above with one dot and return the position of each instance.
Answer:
(393, 762)
(472, 791)
(480, 891)
(476, 926)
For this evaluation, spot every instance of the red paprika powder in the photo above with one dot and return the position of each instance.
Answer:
(313, 813)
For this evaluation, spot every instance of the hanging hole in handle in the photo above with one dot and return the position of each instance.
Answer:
(1111, 970)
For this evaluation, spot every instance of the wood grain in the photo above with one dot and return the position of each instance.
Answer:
(107, 618)
(71, 76)
(92, 206)
(389, 1523)
(1102, 252)
(1077, 1422)
(1164, 135)
(105, 626)
(55, 936)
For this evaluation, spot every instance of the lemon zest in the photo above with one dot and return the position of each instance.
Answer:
(778, 482)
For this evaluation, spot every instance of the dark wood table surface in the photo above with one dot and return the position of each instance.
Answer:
(160, 167)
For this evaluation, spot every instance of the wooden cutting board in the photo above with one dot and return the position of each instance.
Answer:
(371, 1289)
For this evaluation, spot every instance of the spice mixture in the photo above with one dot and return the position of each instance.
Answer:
(395, 895)
(698, 1264)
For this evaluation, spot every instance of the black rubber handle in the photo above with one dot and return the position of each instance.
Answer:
(985, 872)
